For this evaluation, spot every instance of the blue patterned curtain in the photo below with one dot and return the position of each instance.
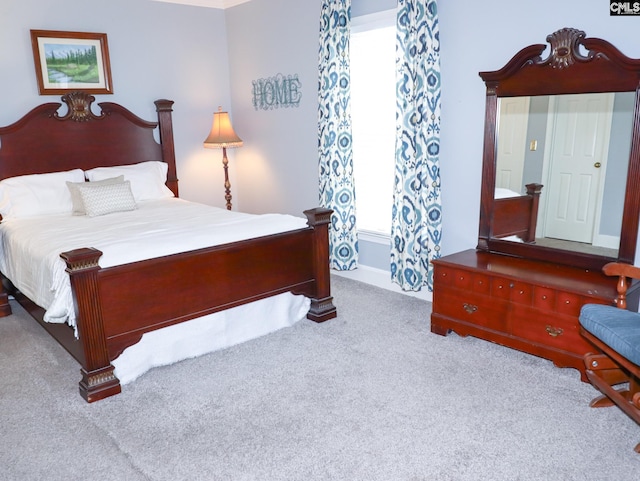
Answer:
(416, 216)
(334, 133)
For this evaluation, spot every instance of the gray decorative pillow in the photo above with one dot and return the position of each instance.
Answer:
(106, 198)
(76, 199)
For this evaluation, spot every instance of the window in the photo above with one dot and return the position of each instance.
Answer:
(373, 113)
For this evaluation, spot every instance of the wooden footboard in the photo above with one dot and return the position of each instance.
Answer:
(115, 306)
(517, 216)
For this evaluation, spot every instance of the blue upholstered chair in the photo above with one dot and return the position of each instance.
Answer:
(615, 331)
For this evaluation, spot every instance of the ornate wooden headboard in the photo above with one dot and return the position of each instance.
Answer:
(45, 140)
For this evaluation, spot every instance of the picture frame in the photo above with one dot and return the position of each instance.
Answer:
(67, 61)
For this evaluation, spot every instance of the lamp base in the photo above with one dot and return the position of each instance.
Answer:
(227, 184)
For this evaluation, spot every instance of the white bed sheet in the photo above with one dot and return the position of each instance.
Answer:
(30, 257)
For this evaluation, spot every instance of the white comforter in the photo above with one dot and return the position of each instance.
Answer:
(30, 248)
(502, 193)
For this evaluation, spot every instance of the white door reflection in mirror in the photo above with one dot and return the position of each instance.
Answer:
(580, 155)
(579, 128)
(512, 136)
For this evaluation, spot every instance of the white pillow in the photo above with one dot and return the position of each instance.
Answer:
(37, 194)
(147, 178)
(101, 199)
(76, 198)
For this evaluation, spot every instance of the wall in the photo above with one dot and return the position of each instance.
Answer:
(157, 50)
(278, 164)
(277, 168)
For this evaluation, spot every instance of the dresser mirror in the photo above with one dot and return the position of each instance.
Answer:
(561, 157)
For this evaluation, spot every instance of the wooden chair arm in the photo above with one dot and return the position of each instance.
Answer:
(623, 271)
(620, 269)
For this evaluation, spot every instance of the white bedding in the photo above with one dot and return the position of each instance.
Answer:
(210, 333)
(30, 247)
(30, 257)
(502, 193)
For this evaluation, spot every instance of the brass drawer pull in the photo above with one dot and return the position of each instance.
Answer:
(470, 308)
(554, 331)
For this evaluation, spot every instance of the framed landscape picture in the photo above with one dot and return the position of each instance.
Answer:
(67, 61)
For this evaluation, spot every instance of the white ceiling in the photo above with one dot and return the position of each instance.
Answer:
(208, 3)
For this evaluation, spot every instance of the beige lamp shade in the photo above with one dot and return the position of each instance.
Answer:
(222, 133)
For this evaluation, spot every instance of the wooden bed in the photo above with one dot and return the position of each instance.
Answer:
(115, 306)
(517, 216)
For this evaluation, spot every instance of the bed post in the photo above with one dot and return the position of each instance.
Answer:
(5, 308)
(98, 379)
(534, 191)
(322, 308)
(163, 107)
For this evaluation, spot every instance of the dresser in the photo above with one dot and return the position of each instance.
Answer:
(549, 131)
(525, 304)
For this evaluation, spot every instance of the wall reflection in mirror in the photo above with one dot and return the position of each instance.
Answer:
(577, 147)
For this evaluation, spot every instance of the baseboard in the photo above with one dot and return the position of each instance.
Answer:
(381, 278)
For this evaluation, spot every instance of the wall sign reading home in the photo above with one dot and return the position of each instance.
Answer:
(276, 92)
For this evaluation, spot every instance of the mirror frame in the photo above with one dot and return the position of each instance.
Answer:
(565, 71)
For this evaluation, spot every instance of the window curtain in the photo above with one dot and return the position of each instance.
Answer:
(416, 216)
(334, 133)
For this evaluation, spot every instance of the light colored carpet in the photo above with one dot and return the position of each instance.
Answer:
(371, 395)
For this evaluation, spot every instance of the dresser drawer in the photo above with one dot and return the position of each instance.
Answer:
(481, 283)
(472, 308)
(569, 303)
(549, 329)
(514, 291)
(461, 279)
(544, 298)
(521, 292)
(501, 288)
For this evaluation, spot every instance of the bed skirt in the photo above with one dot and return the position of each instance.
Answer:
(209, 333)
